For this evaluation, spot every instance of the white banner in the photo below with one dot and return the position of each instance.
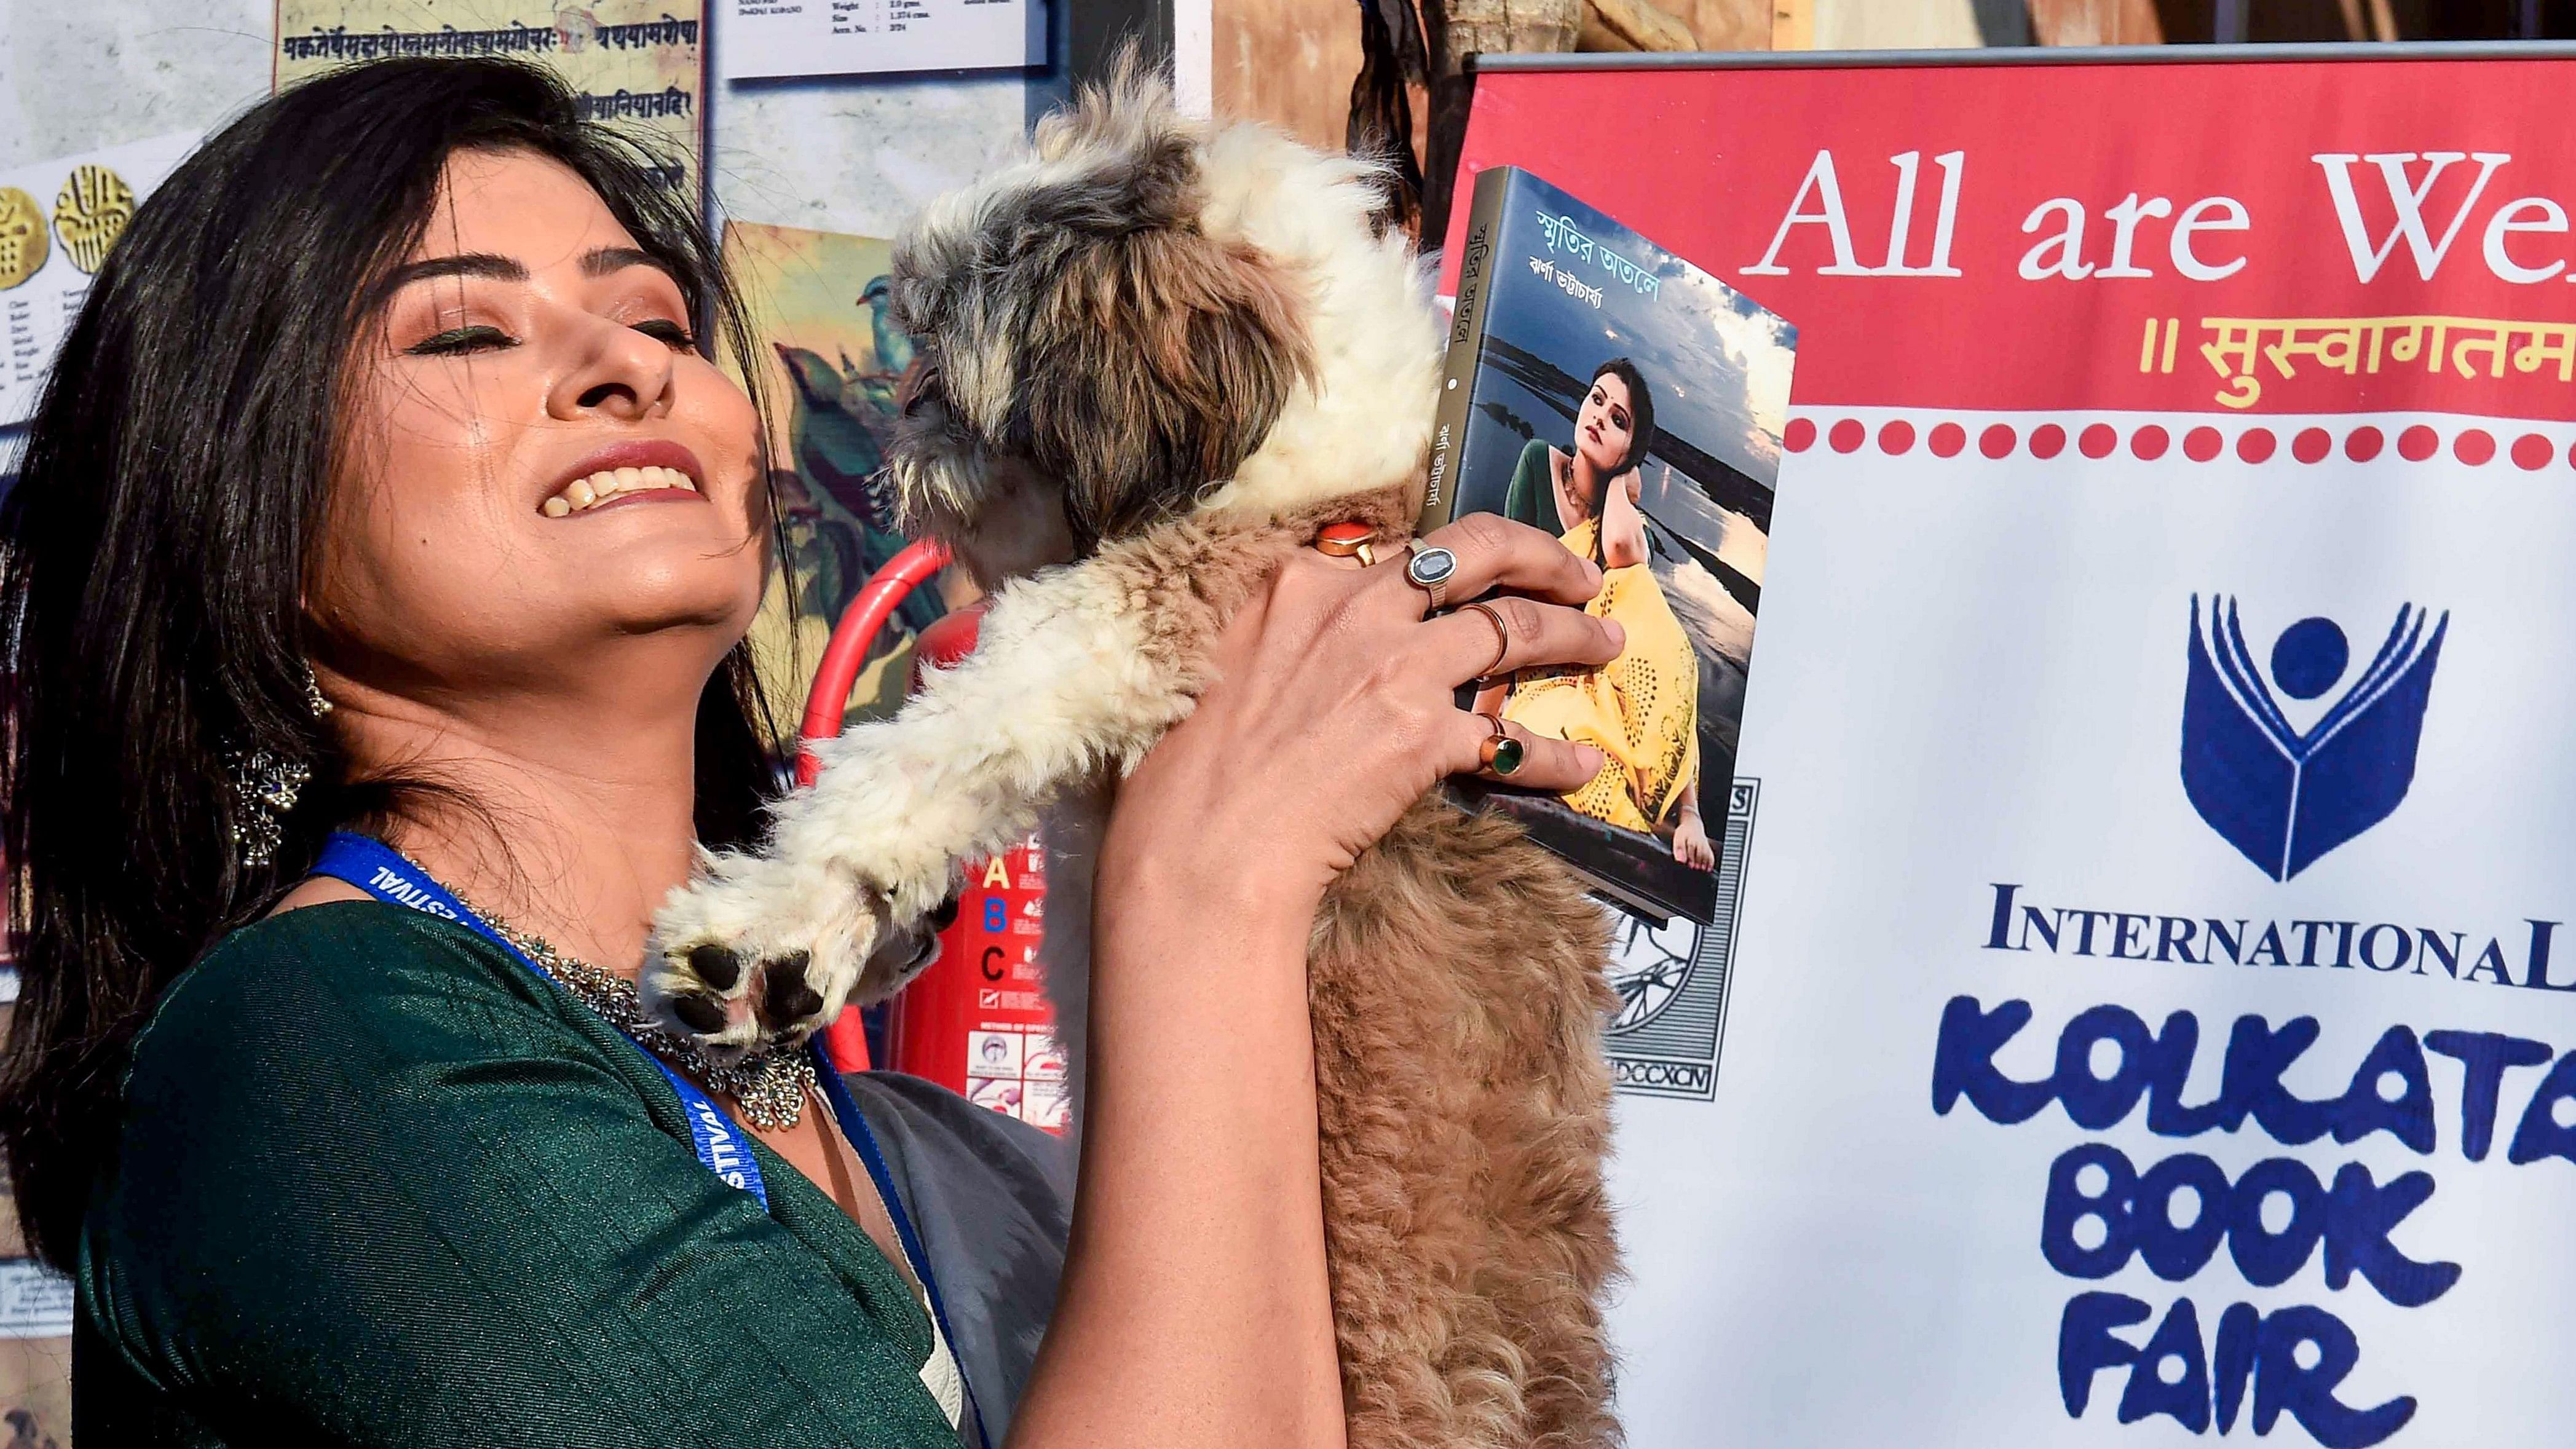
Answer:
(2151, 1014)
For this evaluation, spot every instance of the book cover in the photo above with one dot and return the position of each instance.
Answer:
(2281, 794)
(1601, 388)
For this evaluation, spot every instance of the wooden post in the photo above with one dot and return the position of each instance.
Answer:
(2097, 22)
(1631, 25)
(1458, 30)
(1793, 24)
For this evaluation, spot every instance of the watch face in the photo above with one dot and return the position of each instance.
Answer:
(1648, 965)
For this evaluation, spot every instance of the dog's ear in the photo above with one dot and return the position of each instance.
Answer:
(1182, 350)
(1174, 356)
(1081, 320)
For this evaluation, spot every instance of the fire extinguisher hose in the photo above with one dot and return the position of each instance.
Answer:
(844, 1040)
(875, 603)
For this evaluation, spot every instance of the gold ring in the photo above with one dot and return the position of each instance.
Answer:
(1500, 753)
(1348, 540)
(1502, 636)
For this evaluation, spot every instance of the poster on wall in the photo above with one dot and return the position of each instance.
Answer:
(765, 38)
(35, 1354)
(638, 63)
(58, 219)
(35, 1341)
(2153, 1013)
(829, 361)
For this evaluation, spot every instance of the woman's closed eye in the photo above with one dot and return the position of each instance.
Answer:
(669, 333)
(455, 340)
(485, 338)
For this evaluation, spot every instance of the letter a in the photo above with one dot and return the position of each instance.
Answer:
(1829, 195)
(2068, 243)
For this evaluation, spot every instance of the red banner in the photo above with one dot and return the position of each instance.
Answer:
(2367, 245)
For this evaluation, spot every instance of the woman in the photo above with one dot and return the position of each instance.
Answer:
(382, 485)
(1643, 710)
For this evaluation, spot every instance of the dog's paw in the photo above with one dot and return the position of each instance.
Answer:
(757, 952)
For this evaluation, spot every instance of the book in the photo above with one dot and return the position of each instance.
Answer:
(1604, 389)
(2282, 795)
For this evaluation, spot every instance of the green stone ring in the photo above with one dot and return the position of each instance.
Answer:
(1500, 753)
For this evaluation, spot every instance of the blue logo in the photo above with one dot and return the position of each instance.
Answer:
(2284, 797)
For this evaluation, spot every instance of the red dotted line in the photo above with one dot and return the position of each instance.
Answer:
(2473, 446)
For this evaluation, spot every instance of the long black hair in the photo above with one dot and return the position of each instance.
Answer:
(1641, 410)
(164, 524)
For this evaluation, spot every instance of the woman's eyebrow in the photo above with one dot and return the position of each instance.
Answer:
(464, 264)
(598, 262)
(601, 261)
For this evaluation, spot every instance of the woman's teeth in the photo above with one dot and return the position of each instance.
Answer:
(602, 486)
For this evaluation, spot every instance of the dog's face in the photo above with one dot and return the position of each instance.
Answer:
(1127, 326)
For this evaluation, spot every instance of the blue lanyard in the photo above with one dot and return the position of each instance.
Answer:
(381, 871)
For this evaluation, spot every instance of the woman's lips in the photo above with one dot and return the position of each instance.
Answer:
(610, 485)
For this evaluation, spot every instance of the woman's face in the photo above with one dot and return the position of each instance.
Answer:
(1603, 426)
(540, 463)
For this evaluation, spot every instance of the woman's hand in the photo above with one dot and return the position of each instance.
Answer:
(1195, 1311)
(1335, 710)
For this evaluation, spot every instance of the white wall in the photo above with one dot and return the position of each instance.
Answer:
(859, 156)
(80, 74)
(843, 155)
(1919, 24)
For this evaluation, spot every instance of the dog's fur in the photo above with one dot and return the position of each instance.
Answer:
(1161, 355)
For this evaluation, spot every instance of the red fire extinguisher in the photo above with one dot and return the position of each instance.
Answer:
(976, 1021)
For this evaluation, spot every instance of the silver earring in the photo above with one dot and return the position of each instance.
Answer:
(265, 787)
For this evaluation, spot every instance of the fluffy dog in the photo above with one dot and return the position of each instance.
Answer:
(1155, 359)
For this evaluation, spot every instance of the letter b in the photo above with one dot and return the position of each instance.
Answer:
(2069, 1205)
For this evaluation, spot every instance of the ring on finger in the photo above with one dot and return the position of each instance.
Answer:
(1430, 568)
(1499, 752)
(1348, 540)
(1502, 636)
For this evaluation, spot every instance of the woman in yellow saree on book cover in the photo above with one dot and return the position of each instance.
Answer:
(1641, 709)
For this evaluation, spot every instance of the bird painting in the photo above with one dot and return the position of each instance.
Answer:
(840, 415)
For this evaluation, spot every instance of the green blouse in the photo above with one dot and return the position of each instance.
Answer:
(1533, 488)
(380, 1185)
